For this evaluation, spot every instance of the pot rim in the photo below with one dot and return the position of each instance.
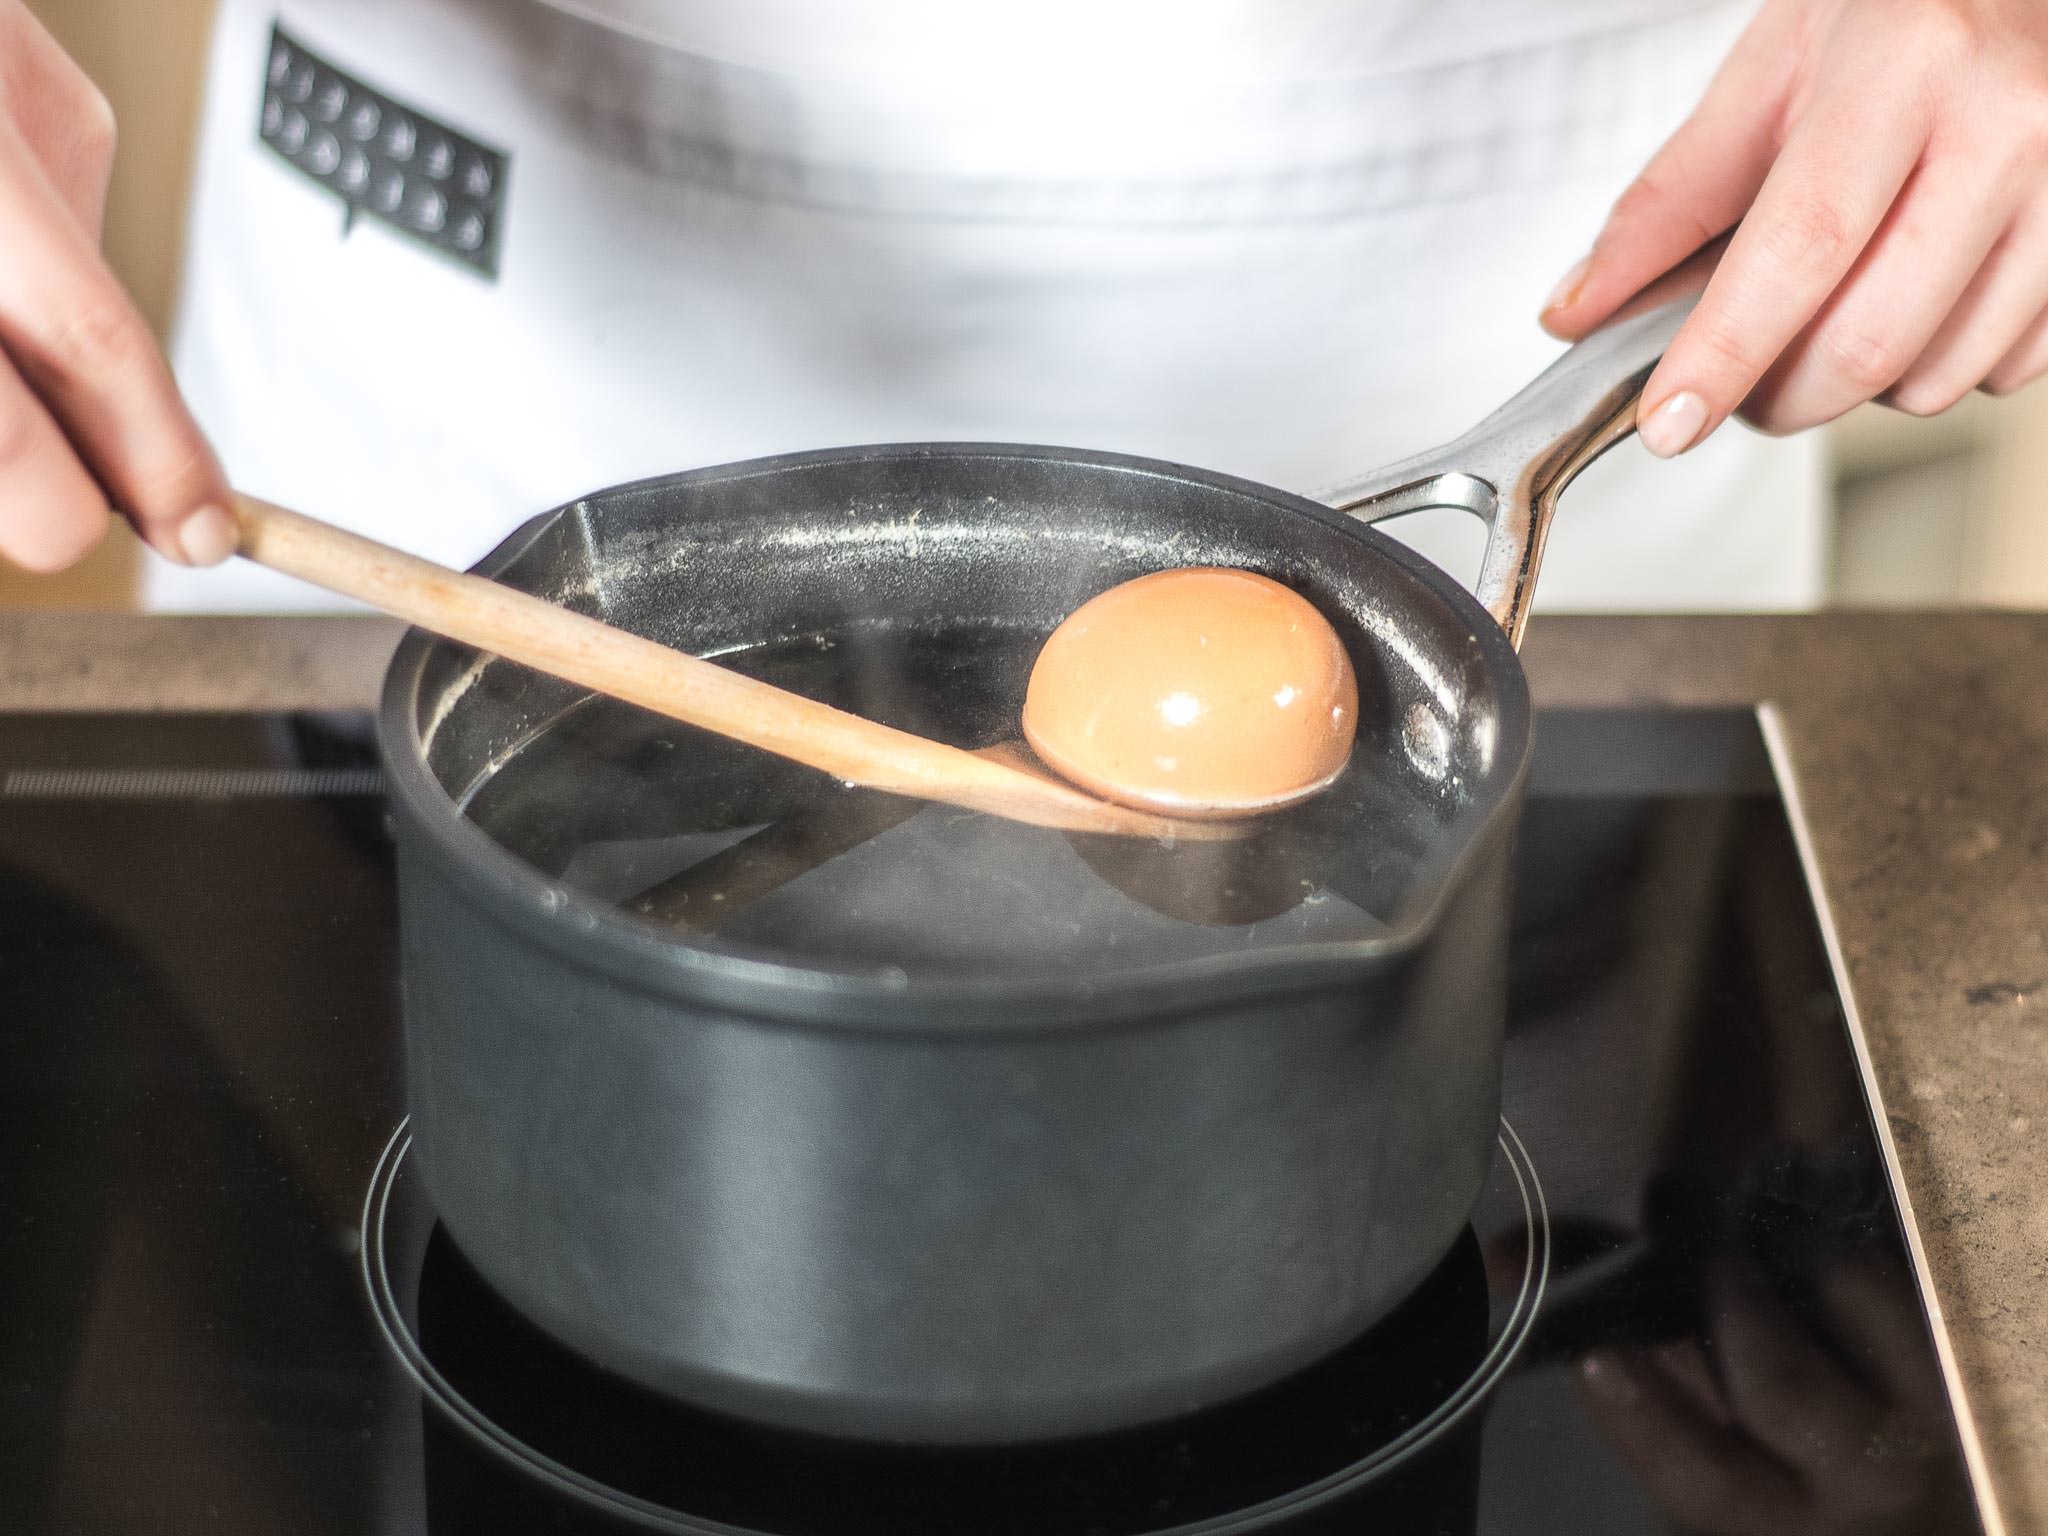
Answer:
(756, 980)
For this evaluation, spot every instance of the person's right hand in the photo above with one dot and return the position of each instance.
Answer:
(89, 415)
(1776, 1435)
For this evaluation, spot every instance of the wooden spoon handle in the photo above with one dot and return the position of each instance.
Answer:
(585, 651)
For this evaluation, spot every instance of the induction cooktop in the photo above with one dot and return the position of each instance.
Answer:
(1689, 1300)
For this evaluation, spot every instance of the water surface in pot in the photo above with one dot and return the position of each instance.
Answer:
(703, 836)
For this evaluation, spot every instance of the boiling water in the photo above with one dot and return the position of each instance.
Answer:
(699, 835)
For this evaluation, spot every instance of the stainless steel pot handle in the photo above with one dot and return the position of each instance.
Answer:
(1511, 468)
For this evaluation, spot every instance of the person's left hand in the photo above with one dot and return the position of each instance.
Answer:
(1884, 160)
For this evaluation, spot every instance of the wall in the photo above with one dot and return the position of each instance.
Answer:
(1951, 510)
(1929, 512)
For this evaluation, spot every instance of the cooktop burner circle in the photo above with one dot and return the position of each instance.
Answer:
(1398, 1399)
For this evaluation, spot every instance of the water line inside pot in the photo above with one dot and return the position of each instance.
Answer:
(703, 836)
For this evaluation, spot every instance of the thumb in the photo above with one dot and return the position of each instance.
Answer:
(1696, 187)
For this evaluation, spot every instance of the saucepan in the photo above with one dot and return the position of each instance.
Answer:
(977, 1202)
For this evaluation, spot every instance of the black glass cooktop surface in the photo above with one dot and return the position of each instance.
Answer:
(1706, 1319)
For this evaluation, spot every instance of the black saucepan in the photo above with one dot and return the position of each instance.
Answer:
(973, 1201)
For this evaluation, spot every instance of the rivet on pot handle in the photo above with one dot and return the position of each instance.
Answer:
(1511, 468)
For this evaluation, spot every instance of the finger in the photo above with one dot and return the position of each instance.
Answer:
(2009, 290)
(1685, 1365)
(1875, 1313)
(1822, 201)
(1931, 244)
(51, 511)
(73, 335)
(1783, 1386)
(1695, 187)
(1706, 1476)
(64, 118)
(2025, 363)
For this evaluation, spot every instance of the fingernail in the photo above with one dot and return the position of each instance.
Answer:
(208, 536)
(1608, 1377)
(1568, 286)
(1674, 426)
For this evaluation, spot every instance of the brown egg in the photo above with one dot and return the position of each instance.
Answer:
(1204, 692)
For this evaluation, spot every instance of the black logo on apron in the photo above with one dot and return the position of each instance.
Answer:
(382, 158)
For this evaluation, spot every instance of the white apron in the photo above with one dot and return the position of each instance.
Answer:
(1288, 239)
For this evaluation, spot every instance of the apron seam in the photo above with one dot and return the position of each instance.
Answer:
(702, 124)
(579, 11)
(1275, 197)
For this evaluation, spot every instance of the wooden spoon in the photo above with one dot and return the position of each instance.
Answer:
(592, 654)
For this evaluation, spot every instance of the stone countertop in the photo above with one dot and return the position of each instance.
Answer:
(1920, 743)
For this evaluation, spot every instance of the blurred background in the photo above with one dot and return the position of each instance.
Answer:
(1949, 511)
